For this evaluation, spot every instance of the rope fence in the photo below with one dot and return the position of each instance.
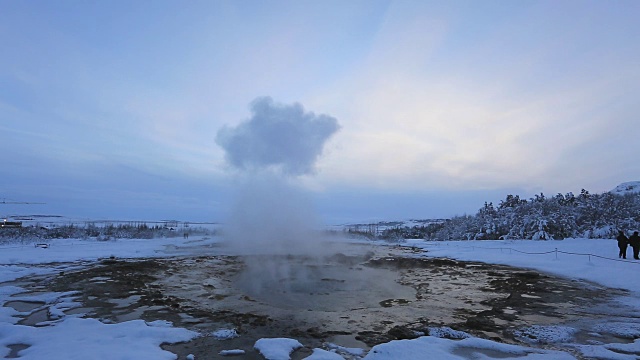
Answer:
(556, 252)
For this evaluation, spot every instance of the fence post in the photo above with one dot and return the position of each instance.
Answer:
(556, 253)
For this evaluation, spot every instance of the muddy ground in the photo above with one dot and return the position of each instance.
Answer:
(360, 297)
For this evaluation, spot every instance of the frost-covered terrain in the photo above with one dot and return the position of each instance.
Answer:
(627, 188)
(68, 335)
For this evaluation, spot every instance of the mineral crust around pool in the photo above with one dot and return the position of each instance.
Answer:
(359, 296)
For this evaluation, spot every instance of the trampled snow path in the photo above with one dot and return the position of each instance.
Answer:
(71, 337)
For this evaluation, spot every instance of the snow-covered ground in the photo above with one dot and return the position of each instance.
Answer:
(74, 337)
(588, 259)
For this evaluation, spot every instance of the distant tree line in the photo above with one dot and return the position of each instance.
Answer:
(561, 216)
(105, 232)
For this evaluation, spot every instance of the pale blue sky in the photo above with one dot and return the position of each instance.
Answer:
(111, 108)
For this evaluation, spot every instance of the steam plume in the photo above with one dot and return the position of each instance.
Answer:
(272, 222)
(281, 136)
(271, 214)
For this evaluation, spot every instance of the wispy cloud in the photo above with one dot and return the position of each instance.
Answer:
(430, 96)
(512, 108)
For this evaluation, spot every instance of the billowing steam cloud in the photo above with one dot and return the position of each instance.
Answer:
(271, 216)
(277, 136)
(272, 222)
(271, 213)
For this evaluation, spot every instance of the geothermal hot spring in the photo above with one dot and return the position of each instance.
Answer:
(337, 283)
(267, 275)
(273, 273)
(351, 294)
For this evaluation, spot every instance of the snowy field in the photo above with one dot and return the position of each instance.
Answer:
(75, 337)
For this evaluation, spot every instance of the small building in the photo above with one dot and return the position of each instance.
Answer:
(10, 224)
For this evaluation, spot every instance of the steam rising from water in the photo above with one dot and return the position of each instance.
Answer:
(272, 218)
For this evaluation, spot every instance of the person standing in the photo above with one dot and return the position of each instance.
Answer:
(634, 241)
(623, 241)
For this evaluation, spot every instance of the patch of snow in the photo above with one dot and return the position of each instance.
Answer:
(319, 354)
(429, 347)
(538, 334)
(75, 338)
(277, 348)
(447, 333)
(160, 323)
(631, 348)
(624, 330)
(225, 334)
(345, 350)
(9, 315)
(56, 311)
(70, 250)
(600, 352)
(530, 296)
(56, 303)
(12, 272)
(47, 298)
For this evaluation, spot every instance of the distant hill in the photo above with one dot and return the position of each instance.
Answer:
(626, 188)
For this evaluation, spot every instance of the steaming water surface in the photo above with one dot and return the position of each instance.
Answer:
(329, 284)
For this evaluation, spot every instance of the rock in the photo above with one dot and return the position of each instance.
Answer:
(402, 332)
(481, 323)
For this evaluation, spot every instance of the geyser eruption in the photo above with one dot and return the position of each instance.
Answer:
(276, 144)
(273, 220)
(271, 216)
(281, 137)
